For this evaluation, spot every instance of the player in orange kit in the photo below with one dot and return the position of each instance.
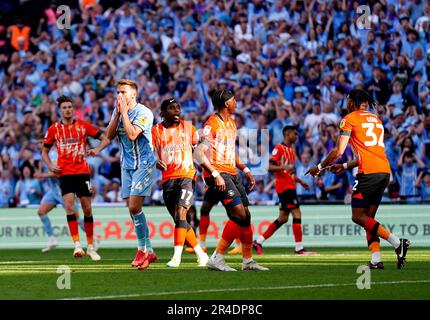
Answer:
(282, 164)
(217, 155)
(173, 141)
(366, 133)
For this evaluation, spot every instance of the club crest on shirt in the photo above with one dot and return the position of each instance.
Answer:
(274, 152)
(207, 130)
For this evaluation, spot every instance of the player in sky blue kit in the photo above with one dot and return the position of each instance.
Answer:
(132, 122)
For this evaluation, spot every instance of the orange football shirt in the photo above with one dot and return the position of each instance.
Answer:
(221, 134)
(283, 155)
(367, 140)
(173, 146)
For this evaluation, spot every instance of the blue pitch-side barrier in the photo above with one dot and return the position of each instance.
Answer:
(323, 225)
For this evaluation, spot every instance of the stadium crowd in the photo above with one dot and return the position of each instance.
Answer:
(288, 62)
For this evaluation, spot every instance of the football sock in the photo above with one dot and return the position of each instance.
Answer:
(179, 238)
(139, 227)
(230, 232)
(271, 229)
(47, 225)
(148, 244)
(73, 227)
(297, 230)
(203, 229)
(374, 228)
(89, 229)
(394, 240)
(246, 240)
(374, 247)
(191, 238)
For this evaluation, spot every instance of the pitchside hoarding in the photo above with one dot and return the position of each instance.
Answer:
(328, 225)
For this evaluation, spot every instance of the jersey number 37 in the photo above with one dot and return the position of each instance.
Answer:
(375, 140)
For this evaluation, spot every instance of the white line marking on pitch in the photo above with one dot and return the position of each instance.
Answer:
(327, 285)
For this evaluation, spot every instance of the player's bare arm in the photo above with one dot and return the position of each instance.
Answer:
(274, 167)
(341, 167)
(200, 156)
(45, 156)
(333, 155)
(104, 142)
(302, 183)
(111, 130)
(242, 167)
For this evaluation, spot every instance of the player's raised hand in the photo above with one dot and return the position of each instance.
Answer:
(161, 165)
(220, 183)
(121, 104)
(251, 181)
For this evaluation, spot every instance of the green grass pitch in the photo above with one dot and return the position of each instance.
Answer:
(29, 274)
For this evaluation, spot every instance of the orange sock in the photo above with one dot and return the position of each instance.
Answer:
(383, 233)
(179, 236)
(374, 228)
(246, 240)
(89, 229)
(230, 232)
(271, 229)
(73, 227)
(374, 247)
(203, 227)
(191, 238)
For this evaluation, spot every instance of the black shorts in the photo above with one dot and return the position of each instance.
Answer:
(211, 196)
(178, 192)
(368, 189)
(76, 183)
(234, 191)
(288, 200)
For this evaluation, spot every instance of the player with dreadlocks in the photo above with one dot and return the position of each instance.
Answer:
(366, 133)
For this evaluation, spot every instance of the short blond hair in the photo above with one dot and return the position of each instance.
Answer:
(127, 82)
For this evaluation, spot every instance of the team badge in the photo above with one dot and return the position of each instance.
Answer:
(207, 130)
(274, 152)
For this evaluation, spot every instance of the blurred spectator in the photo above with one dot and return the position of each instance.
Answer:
(28, 190)
(288, 62)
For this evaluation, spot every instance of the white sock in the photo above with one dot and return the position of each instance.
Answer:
(202, 243)
(260, 239)
(394, 240)
(177, 252)
(90, 247)
(217, 255)
(299, 246)
(376, 257)
(52, 238)
(143, 249)
(199, 251)
(247, 260)
(150, 250)
(78, 244)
